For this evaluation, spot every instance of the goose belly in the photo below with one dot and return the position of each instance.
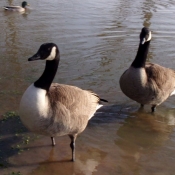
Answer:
(34, 110)
(133, 84)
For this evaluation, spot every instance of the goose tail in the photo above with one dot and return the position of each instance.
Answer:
(101, 99)
(5, 8)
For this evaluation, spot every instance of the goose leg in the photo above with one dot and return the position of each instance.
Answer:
(141, 108)
(72, 145)
(141, 105)
(53, 141)
(153, 108)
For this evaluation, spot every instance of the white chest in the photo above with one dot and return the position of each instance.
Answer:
(34, 107)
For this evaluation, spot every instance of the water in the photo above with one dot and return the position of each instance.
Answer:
(97, 40)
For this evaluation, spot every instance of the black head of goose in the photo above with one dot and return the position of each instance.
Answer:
(145, 82)
(53, 109)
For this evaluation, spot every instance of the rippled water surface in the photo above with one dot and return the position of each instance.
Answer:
(98, 39)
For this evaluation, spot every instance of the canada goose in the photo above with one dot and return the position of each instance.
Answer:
(144, 82)
(21, 8)
(53, 109)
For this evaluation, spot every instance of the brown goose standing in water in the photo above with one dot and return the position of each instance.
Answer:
(147, 83)
(53, 109)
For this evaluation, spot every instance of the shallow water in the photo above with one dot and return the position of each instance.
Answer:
(97, 40)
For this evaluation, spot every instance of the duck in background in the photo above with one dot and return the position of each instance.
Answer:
(144, 82)
(21, 8)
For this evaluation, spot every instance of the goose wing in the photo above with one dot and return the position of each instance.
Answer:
(79, 102)
(161, 78)
(12, 8)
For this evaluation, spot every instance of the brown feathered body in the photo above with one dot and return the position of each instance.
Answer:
(151, 84)
(61, 111)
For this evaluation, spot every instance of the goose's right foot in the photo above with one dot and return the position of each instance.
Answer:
(72, 145)
(153, 108)
(141, 106)
(53, 141)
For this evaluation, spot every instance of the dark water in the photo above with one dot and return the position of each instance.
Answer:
(97, 40)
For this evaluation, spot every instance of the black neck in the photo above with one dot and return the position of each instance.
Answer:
(48, 75)
(141, 56)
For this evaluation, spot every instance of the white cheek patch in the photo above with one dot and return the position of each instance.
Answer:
(149, 38)
(52, 54)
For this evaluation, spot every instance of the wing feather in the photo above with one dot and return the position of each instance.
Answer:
(160, 77)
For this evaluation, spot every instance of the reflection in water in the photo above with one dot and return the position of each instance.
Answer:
(148, 7)
(10, 2)
(81, 166)
(10, 53)
(116, 141)
(142, 136)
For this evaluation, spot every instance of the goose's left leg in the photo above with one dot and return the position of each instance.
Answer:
(141, 105)
(153, 108)
(72, 145)
(53, 141)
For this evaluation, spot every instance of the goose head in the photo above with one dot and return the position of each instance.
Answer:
(145, 35)
(47, 51)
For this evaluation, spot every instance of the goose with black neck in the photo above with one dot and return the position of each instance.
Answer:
(144, 82)
(54, 109)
